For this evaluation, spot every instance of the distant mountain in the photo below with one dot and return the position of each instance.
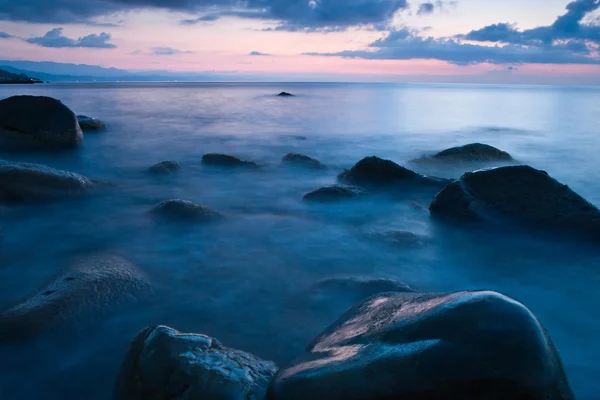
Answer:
(62, 69)
(10, 77)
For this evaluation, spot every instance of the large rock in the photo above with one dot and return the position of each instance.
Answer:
(519, 194)
(164, 168)
(164, 364)
(90, 287)
(184, 210)
(38, 121)
(223, 160)
(300, 160)
(334, 193)
(24, 182)
(90, 124)
(472, 152)
(376, 172)
(464, 345)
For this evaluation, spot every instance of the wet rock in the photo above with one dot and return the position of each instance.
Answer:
(24, 182)
(38, 121)
(520, 194)
(164, 168)
(376, 172)
(223, 160)
(90, 287)
(402, 239)
(163, 363)
(300, 160)
(333, 193)
(184, 210)
(285, 94)
(464, 345)
(472, 152)
(90, 124)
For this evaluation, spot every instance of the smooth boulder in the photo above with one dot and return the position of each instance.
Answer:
(300, 160)
(334, 193)
(90, 287)
(38, 121)
(375, 172)
(184, 210)
(520, 194)
(24, 182)
(163, 363)
(90, 124)
(472, 152)
(464, 345)
(226, 161)
(164, 168)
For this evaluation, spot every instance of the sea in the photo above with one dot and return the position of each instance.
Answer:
(257, 280)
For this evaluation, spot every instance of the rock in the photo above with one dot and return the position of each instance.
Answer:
(358, 288)
(38, 121)
(464, 345)
(401, 239)
(473, 152)
(334, 193)
(376, 172)
(520, 194)
(184, 210)
(164, 168)
(300, 160)
(223, 160)
(90, 124)
(285, 94)
(163, 363)
(24, 182)
(90, 287)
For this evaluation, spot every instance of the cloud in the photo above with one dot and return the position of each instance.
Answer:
(4, 35)
(55, 38)
(168, 51)
(135, 53)
(426, 8)
(258, 53)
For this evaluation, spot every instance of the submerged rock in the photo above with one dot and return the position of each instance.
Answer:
(164, 168)
(402, 239)
(358, 288)
(90, 287)
(300, 160)
(472, 152)
(38, 121)
(334, 193)
(184, 210)
(285, 94)
(223, 160)
(90, 124)
(519, 194)
(163, 363)
(413, 346)
(376, 172)
(24, 182)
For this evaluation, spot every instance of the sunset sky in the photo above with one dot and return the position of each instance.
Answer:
(552, 41)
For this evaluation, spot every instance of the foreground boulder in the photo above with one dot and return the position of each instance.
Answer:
(184, 210)
(520, 194)
(376, 172)
(164, 364)
(24, 182)
(223, 160)
(90, 124)
(164, 168)
(38, 121)
(90, 287)
(300, 160)
(472, 152)
(464, 345)
(333, 193)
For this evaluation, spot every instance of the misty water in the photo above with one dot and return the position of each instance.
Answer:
(252, 280)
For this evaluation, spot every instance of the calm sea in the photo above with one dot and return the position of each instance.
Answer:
(250, 281)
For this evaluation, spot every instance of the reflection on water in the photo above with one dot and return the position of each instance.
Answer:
(248, 279)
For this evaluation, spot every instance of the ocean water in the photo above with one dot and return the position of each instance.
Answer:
(251, 281)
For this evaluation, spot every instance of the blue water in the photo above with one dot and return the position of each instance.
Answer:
(249, 281)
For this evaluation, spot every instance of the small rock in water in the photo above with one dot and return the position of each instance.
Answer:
(185, 211)
(163, 363)
(403, 239)
(90, 124)
(164, 168)
(333, 193)
(285, 94)
(223, 160)
(463, 345)
(38, 121)
(300, 160)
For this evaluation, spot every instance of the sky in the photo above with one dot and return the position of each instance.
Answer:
(486, 41)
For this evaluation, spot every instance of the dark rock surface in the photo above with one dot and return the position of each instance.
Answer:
(285, 94)
(24, 182)
(472, 152)
(38, 121)
(90, 287)
(184, 210)
(163, 363)
(164, 168)
(300, 160)
(333, 193)
(464, 345)
(223, 160)
(90, 124)
(520, 194)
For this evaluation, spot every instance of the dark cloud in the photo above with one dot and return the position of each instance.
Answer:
(426, 8)
(168, 51)
(55, 38)
(258, 53)
(4, 35)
